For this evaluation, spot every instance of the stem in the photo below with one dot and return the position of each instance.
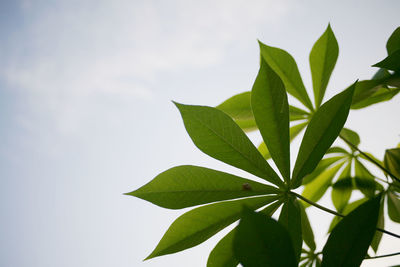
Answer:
(336, 213)
(383, 256)
(371, 159)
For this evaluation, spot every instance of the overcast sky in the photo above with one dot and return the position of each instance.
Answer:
(85, 111)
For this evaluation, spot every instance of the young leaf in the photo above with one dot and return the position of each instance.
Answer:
(393, 203)
(186, 186)
(271, 112)
(290, 217)
(321, 132)
(342, 189)
(321, 167)
(198, 225)
(336, 149)
(285, 66)
(350, 136)
(222, 254)
(262, 241)
(323, 58)
(348, 243)
(317, 188)
(306, 229)
(393, 44)
(216, 134)
(391, 62)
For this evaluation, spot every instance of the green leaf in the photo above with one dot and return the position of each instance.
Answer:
(349, 208)
(222, 254)
(290, 217)
(336, 149)
(378, 234)
(323, 58)
(321, 167)
(393, 44)
(271, 112)
(342, 189)
(393, 203)
(321, 132)
(317, 188)
(198, 225)
(365, 181)
(381, 94)
(391, 62)
(392, 161)
(294, 131)
(350, 136)
(296, 113)
(306, 229)
(186, 186)
(348, 243)
(285, 66)
(261, 241)
(216, 134)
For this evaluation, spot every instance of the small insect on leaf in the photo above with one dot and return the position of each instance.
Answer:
(246, 187)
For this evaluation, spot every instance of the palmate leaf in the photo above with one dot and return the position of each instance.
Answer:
(365, 181)
(393, 43)
(186, 186)
(198, 225)
(392, 161)
(381, 94)
(285, 66)
(342, 189)
(306, 229)
(290, 217)
(262, 241)
(222, 254)
(391, 62)
(217, 135)
(271, 112)
(378, 234)
(321, 132)
(323, 58)
(348, 243)
(393, 203)
(350, 136)
(321, 167)
(347, 209)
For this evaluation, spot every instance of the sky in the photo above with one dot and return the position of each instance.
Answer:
(86, 112)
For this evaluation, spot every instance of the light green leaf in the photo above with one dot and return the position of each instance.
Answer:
(350, 136)
(321, 167)
(323, 58)
(381, 94)
(392, 161)
(290, 217)
(393, 44)
(339, 150)
(316, 189)
(348, 243)
(198, 225)
(186, 186)
(342, 189)
(296, 113)
(391, 62)
(285, 66)
(216, 134)
(365, 181)
(321, 132)
(222, 254)
(262, 241)
(393, 203)
(271, 112)
(306, 229)
(378, 234)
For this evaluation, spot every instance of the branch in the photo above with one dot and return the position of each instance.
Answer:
(371, 159)
(336, 213)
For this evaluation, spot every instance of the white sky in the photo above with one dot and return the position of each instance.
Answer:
(85, 90)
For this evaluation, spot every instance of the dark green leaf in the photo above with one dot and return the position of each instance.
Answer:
(341, 190)
(271, 112)
(323, 58)
(365, 181)
(216, 134)
(322, 166)
(262, 241)
(285, 66)
(290, 217)
(378, 234)
(317, 188)
(321, 132)
(393, 203)
(349, 208)
(393, 44)
(222, 254)
(392, 161)
(306, 229)
(350, 136)
(348, 243)
(391, 62)
(186, 186)
(198, 225)
(381, 94)
(296, 113)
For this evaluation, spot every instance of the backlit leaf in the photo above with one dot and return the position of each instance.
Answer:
(350, 136)
(381, 94)
(216, 134)
(391, 62)
(365, 181)
(393, 203)
(290, 217)
(321, 167)
(392, 161)
(321, 132)
(393, 44)
(342, 189)
(306, 229)
(323, 58)
(186, 186)
(378, 234)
